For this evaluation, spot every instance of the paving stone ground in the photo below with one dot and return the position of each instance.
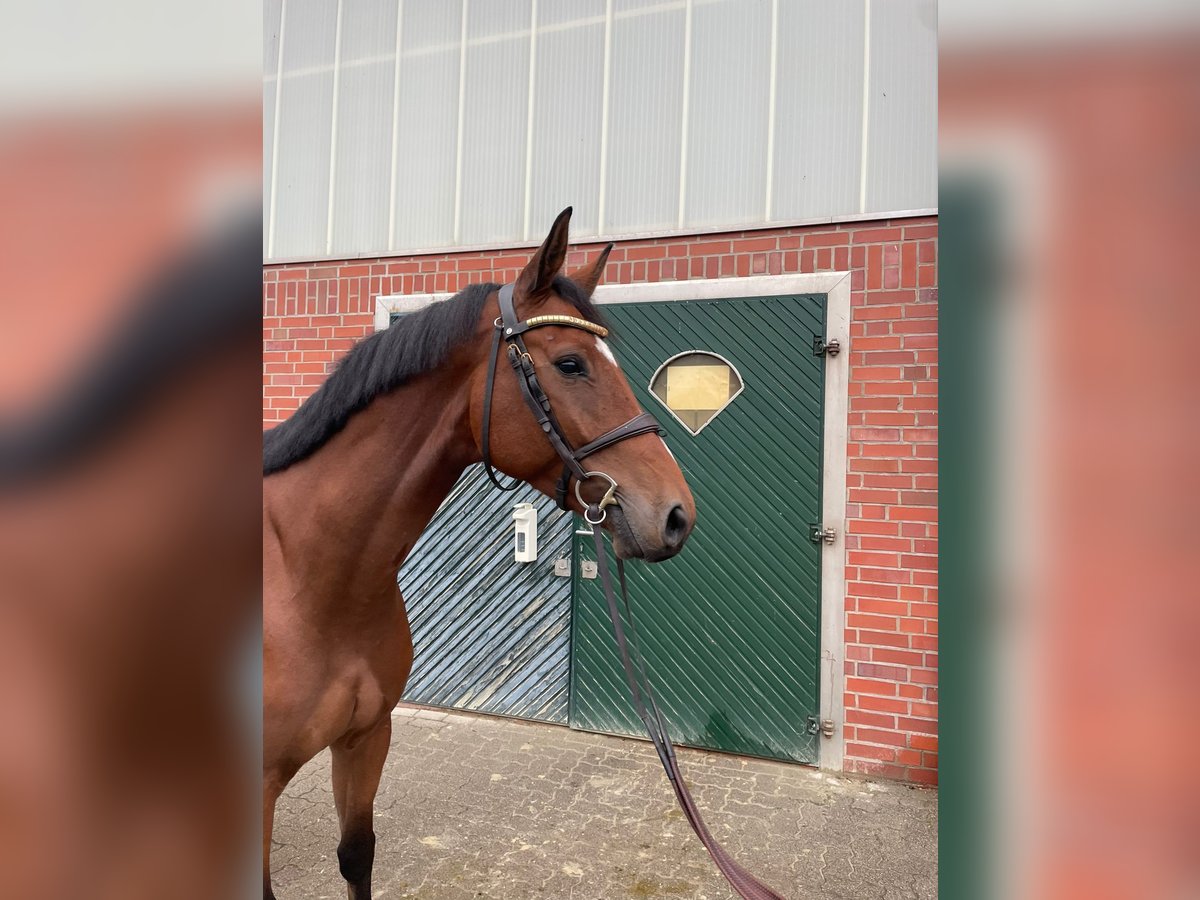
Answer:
(477, 807)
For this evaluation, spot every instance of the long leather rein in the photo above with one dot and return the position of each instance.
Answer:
(747, 886)
(509, 329)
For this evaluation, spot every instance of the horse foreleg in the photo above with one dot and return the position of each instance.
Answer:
(357, 767)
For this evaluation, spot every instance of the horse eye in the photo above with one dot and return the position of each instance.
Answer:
(569, 365)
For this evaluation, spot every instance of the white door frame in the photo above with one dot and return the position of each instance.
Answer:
(836, 288)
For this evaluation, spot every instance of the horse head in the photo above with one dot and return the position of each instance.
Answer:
(554, 341)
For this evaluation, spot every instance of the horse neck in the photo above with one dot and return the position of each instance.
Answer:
(352, 512)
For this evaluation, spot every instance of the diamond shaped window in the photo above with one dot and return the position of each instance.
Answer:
(695, 386)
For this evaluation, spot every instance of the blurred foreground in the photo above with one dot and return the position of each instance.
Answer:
(1071, 431)
(129, 454)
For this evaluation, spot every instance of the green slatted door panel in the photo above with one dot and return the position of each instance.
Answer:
(489, 634)
(730, 627)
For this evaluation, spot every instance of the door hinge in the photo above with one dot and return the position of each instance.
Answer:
(824, 727)
(822, 347)
(819, 534)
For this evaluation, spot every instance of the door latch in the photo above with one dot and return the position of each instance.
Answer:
(588, 568)
(562, 567)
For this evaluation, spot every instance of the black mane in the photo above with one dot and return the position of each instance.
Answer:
(384, 361)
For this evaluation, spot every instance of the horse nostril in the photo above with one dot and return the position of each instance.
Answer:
(675, 529)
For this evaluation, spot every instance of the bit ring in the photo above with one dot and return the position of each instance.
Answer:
(610, 496)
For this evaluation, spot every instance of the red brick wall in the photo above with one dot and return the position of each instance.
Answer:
(314, 312)
(891, 547)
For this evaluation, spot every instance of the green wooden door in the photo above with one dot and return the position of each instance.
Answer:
(730, 627)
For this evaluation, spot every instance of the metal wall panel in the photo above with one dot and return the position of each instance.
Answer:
(727, 124)
(489, 634)
(305, 126)
(645, 118)
(818, 109)
(902, 105)
(567, 115)
(730, 627)
(427, 131)
(492, 202)
(362, 174)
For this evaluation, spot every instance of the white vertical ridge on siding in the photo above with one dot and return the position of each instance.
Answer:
(273, 11)
(533, 23)
(689, 28)
(604, 116)
(362, 180)
(391, 235)
(333, 128)
(902, 144)
(771, 104)
(458, 131)
(568, 115)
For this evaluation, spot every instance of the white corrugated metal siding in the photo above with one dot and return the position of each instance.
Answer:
(648, 117)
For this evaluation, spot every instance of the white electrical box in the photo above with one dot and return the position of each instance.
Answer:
(525, 548)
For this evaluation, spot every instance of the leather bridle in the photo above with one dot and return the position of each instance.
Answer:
(509, 329)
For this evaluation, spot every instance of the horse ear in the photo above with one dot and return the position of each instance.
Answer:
(587, 277)
(537, 276)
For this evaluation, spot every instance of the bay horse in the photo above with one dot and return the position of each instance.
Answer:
(353, 478)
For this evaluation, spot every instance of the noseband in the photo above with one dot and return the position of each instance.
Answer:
(509, 329)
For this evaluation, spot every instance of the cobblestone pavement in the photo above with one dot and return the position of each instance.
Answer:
(477, 807)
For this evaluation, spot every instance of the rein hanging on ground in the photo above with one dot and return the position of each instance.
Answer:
(509, 329)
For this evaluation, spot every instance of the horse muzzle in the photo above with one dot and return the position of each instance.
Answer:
(639, 539)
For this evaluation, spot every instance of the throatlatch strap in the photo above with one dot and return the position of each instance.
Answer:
(747, 886)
